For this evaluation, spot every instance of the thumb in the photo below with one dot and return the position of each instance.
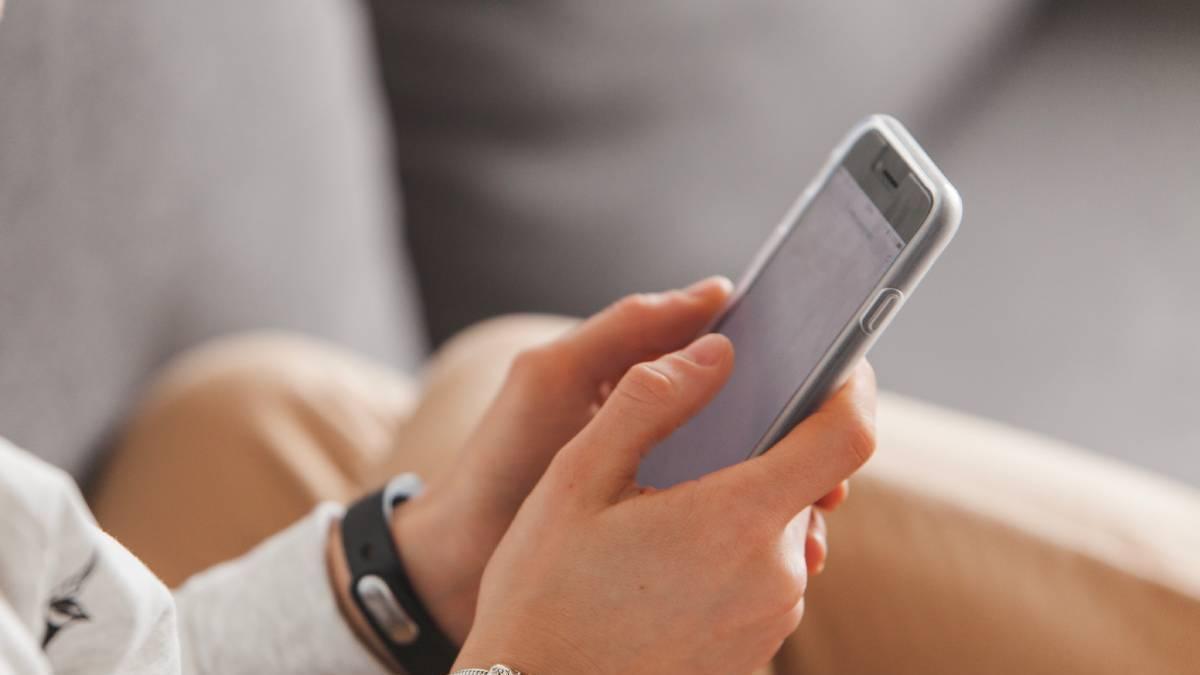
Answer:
(651, 401)
(821, 452)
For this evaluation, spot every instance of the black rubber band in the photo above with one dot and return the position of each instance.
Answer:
(371, 550)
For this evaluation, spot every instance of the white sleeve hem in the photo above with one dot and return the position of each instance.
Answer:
(272, 611)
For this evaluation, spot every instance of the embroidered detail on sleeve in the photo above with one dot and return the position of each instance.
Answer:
(64, 608)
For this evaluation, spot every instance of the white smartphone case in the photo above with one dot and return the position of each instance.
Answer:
(897, 284)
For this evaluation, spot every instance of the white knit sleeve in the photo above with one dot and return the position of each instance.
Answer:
(271, 611)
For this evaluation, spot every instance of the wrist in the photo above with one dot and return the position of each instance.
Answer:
(436, 600)
(484, 658)
(444, 575)
(339, 579)
(525, 649)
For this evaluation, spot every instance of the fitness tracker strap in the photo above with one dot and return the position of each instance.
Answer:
(381, 588)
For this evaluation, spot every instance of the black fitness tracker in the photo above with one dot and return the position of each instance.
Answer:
(381, 588)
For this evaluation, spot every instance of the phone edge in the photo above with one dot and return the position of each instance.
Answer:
(905, 274)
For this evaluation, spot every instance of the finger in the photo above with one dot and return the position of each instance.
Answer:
(816, 545)
(553, 388)
(649, 402)
(822, 451)
(638, 328)
(835, 498)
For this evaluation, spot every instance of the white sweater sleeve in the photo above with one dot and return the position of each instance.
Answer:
(74, 602)
(271, 611)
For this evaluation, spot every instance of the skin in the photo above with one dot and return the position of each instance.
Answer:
(717, 579)
(551, 396)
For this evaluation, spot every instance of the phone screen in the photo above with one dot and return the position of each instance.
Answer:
(801, 300)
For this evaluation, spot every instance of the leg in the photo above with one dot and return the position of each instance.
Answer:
(240, 438)
(968, 547)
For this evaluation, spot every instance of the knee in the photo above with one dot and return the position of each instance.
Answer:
(503, 337)
(231, 379)
(233, 367)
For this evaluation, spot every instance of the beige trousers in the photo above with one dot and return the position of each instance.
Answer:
(965, 547)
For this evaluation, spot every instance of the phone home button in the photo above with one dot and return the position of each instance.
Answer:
(876, 317)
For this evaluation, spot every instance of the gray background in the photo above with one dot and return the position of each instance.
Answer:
(174, 171)
(628, 145)
(170, 172)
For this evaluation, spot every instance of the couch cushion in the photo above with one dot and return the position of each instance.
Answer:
(1077, 161)
(172, 171)
(556, 154)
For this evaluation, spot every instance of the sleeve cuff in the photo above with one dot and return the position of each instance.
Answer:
(272, 611)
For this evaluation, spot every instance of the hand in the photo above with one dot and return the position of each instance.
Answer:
(597, 575)
(447, 535)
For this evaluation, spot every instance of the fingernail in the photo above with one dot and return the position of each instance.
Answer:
(704, 286)
(706, 351)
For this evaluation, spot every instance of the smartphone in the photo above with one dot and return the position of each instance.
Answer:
(818, 295)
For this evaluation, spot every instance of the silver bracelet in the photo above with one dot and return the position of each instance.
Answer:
(498, 669)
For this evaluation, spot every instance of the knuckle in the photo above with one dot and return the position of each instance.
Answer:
(789, 592)
(851, 431)
(637, 307)
(647, 386)
(859, 439)
(779, 603)
(796, 586)
(790, 621)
